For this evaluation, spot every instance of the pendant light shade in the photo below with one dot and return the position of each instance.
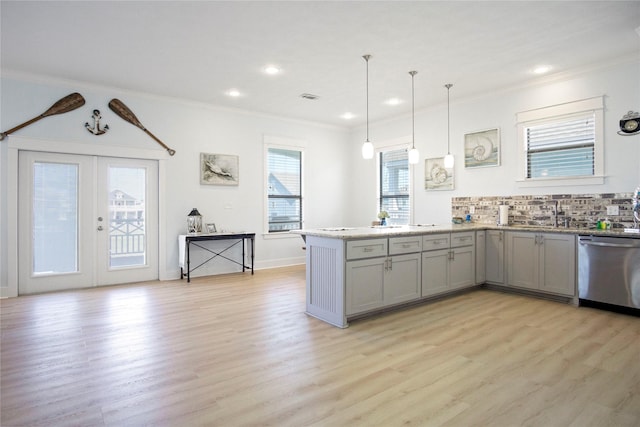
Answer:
(367, 147)
(449, 160)
(414, 154)
(367, 150)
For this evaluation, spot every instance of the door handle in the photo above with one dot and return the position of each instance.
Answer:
(100, 228)
(606, 245)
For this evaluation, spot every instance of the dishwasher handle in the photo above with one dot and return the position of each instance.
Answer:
(607, 245)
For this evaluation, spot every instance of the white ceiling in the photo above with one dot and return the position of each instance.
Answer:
(199, 50)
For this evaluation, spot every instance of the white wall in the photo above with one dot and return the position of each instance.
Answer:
(619, 83)
(189, 129)
(340, 185)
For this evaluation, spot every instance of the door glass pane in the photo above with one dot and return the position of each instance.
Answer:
(127, 230)
(55, 218)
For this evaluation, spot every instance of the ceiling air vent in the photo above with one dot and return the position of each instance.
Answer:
(309, 96)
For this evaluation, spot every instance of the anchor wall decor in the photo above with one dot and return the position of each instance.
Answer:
(96, 124)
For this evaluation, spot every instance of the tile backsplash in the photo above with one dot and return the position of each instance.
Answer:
(581, 210)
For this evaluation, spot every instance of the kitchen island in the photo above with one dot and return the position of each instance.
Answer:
(356, 272)
(352, 272)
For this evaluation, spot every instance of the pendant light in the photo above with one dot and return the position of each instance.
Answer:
(367, 147)
(448, 159)
(414, 154)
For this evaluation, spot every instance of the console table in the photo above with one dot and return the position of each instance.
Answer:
(246, 240)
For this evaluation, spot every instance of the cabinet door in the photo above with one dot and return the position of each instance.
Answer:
(364, 284)
(522, 267)
(494, 256)
(435, 272)
(402, 279)
(558, 264)
(481, 261)
(462, 267)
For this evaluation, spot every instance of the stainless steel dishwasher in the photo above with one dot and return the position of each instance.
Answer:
(609, 271)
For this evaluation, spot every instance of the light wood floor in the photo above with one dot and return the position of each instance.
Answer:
(238, 350)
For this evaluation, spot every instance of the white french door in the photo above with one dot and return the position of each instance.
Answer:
(85, 221)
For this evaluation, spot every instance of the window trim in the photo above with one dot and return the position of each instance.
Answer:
(554, 113)
(391, 145)
(282, 143)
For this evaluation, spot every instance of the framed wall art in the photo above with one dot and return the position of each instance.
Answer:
(436, 176)
(219, 169)
(482, 148)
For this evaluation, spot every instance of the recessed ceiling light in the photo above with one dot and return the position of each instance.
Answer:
(233, 93)
(348, 116)
(393, 101)
(541, 69)
(309, 96)
(271, 70)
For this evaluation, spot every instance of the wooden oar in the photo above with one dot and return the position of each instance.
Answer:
(64, 105)
(126, 114)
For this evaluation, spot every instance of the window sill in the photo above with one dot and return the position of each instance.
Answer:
(284, 235)
(560, 182)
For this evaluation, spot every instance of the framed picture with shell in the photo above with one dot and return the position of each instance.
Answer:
(437, 176)
(482, 148)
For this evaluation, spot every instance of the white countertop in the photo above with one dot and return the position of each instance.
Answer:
(385, 231)
(347, 233)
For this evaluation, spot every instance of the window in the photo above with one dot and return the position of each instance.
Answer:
(561, 149)
(284, 188)
(394, 185)
(562, 144)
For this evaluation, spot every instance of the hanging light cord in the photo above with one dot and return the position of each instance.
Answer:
(413, 112)
(366, 58)
(448, 86)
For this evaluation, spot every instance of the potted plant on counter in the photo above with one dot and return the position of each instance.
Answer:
(383, 215)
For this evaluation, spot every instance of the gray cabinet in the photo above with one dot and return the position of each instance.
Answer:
(402, 279)
(365, 284)
(494, 256)
(435, 272)
(448, 262)
(374, 281)
(558, 264)
(542, 262)
(523, 265)
(481, 261)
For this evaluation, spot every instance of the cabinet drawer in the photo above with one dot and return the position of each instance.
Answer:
(369, 248)
(405, 245)
(462, 239)
(435, 241)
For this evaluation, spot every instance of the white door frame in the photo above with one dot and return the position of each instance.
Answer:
(17, 143)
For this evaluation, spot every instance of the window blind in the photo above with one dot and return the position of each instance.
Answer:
(394, 185)
(561, 148)
(284, 189)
